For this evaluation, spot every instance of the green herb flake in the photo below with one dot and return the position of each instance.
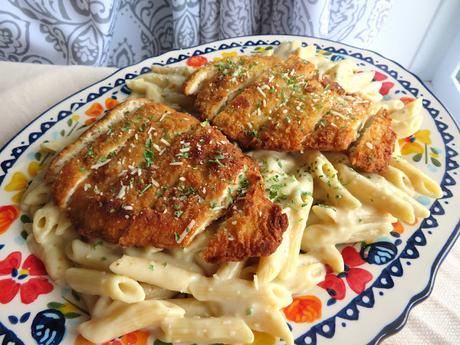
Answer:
(146, 188)
(89, 152)
(151, 267)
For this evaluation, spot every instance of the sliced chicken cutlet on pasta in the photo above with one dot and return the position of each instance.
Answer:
(217, 82)
(288, 107)
(372, 151)
(155, 176)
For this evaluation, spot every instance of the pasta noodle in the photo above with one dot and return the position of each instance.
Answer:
(121, 318)
(221, 330)
(93, 282)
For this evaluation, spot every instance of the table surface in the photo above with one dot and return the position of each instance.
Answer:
(26, 90)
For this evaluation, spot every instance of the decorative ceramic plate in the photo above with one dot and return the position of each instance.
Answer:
(370, 300)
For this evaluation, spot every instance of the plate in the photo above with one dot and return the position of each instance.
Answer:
(371, 299)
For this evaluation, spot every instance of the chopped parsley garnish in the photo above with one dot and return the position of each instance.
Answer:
(176, 237)
(151, 267)
(186, 192)
(217, 159)
(305, 194)
(252, 133)
(89, 152)
(205, 123)
(275, 191)
(126, 128)
(146, 188)
(177, 214)
(249, 311)
(213, 204)
(148, 153)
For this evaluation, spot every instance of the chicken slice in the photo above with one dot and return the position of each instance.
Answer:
(217, 82)
(372, 151)
(253, 226)
(165, 178)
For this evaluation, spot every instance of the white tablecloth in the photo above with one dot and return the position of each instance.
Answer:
(27, 90)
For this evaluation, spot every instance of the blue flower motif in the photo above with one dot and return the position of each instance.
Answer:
(48, 327)
(378, 253)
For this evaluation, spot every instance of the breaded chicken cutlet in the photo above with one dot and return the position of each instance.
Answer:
(284, 105)
(146, 174)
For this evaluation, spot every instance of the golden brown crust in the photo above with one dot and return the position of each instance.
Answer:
(260, 116)
(253, 226)
(231, 75)
(69, 169)
(372, 151)
(157, 177)
(288, 108)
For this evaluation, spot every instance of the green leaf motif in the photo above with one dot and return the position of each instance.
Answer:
(71, 315)
(435, 162)
(435, 151)
(69, 122)
(38, 156)
(55, 305)
(62, 133)
(24, 234)
(417, 157)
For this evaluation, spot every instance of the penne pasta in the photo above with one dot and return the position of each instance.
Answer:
(122, 318)
(100, 283)
(154, 272)
(207, 330)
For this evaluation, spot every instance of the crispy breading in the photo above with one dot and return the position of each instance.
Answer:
(266, 104)
(253, 226)
(158, 177)
(290, 108)
(77, 171)
(372, 151)
(221, 80)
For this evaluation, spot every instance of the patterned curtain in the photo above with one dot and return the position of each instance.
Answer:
(122, 32)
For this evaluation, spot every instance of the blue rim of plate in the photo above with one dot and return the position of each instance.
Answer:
(400, 321)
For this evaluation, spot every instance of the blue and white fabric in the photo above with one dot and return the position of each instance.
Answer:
(123, 32)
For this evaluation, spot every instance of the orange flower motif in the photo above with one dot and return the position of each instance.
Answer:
(196, 61)
(407, 100)
(133, 338)
(304, 309)
(410, 148)
(8, 215)
(261, 338)
(398, 227)
(110, 103)
(95, 110)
